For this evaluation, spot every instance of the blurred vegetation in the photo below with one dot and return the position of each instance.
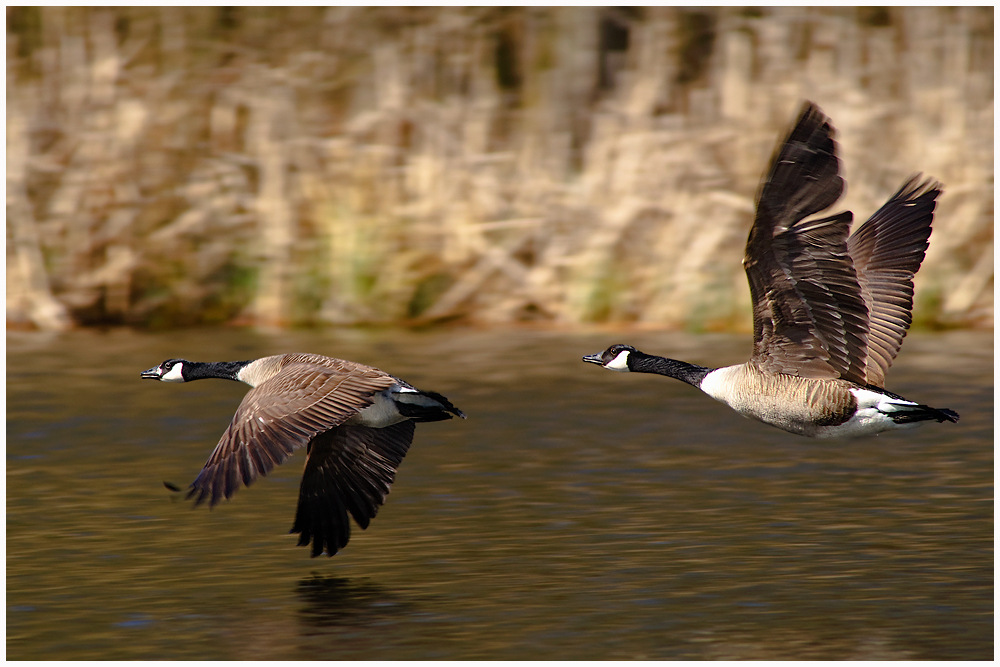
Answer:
(283, 166)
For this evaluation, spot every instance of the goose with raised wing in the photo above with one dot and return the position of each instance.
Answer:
(830, 310)
(356, 423)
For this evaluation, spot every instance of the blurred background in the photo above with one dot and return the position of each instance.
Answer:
(303, 166)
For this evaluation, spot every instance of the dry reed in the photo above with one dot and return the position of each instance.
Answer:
(305, 165)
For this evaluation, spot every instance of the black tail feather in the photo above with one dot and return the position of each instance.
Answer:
(429, 413)
(921, 413)
(947, 415)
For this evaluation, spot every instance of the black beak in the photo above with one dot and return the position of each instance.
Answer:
(594, 359)
(152, 374)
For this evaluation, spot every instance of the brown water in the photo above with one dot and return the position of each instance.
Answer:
(576, 514)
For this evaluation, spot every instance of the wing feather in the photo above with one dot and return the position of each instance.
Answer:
(280, 415)
(887, 251)
(350, 470)
(809, 317)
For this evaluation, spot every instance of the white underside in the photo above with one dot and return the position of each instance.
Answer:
(383, 412)
(871, 417)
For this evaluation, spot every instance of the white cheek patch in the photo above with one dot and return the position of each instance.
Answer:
(173, 375)
(619, 363)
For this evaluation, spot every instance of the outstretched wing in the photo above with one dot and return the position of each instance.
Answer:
(277, 417)
(887, 251)
(809, 317)
(350, 470)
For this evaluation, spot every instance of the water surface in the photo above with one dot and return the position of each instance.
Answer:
(577, 513)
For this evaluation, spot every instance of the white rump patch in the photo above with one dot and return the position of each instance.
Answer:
(174, 374)
(872, 415)
(619, 363)
(885, 404)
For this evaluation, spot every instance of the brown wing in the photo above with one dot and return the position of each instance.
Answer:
(887, 251)
(279, 416)
(349, 470)
(809, 317)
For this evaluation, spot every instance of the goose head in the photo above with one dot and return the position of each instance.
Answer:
(615, 358)
(171, 370)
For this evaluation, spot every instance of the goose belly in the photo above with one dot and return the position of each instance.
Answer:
(814, 408)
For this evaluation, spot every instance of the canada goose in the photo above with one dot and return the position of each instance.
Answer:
(355, 421)
(830, 312)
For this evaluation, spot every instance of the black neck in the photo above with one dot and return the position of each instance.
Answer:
(640, 362)
(226, 370)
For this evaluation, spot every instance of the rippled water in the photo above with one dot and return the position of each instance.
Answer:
(576, 514)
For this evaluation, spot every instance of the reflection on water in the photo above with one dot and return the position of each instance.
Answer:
(576, 514)
(336, 602)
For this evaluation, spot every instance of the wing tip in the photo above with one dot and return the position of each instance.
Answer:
(803, 176)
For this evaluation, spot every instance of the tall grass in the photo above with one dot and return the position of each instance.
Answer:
(306, 165)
